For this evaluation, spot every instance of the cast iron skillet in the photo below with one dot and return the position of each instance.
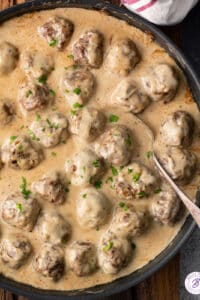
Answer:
(138, 276)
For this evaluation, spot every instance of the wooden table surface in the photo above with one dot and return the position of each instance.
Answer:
(164, 285)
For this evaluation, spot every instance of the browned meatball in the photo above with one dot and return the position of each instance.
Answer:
(8, 58)
(88, 50)
(177, 129)
(161, 82)
(166, 207)
(115, 145)
(51, 188)
(6, 112)
(14, 250)
(82, 258)
(20, 211)
(49, 261)
(57, 32)
(114, 253)
(19, 152)
(181, 164)
(128, 222)
(122, 57)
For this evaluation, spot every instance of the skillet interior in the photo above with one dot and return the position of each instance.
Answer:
(169, 252)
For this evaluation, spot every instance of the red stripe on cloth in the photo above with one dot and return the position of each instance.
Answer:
(142, 8)
(129, 1)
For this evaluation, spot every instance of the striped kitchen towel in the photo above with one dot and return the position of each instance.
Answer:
(162, 12)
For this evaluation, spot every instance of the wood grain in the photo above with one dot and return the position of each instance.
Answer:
(163, 285)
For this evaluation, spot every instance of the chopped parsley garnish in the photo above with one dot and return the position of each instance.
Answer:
(20, 148)
(77, 91)
(19, 206)
(52, 125)
(53, 43)
(136, 177)
(157, 191)
(129, 141)
(13, 138)
(26, 193)
(33, 136)
(130, 170)
(71, 56)
(52, 92)
(142, 194)
(109, 179)
(123, 205)
(96, 163)
(73, 112)
(53, 153)
(98, 184)
(28, 93)
(108, 246)
(84, 195)
(114, 171)
(149, 154)
(38, 118)
(42, 79)
(77, 105)
(113, 118)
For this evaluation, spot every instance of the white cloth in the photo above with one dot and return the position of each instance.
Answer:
(161, 12)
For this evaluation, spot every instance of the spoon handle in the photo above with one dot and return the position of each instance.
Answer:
(192, 208)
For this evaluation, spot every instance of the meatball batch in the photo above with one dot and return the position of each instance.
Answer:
(36, 64)
(122, 57)
(87, 123)
(77, 85)
(135, 181)
(51, 187)
(20, 210)
(50, 131)
(128, 97)
(114, 253)
(7, 112)
(15, 250)
(53, 228)
(161, 82)
(8, 58)
(34, 96)
(20, 152)
(57, 32)
(82, 258)
(177, 129)
(84, 168)
(49, 261)
(92, 208)
(115, 145)
(88, 49)
(180, 163)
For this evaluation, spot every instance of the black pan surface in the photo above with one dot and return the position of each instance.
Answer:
(122, 284)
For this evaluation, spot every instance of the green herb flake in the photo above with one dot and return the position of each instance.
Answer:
(42, 79)
(84, 195)
(157, 191)
(108, 246)
(109, 179)
(123, 205)
(113, 118)
(38, 118)
(66, 190)
(77, 105)
(130, 170)
(13, 138)
(98, 184)
(52, 125)
(53, 153)
(28, 93)
(53, 43)
(136, 177)
(149, 154)
(96, 163)
(142, 194)
(33, 135)
(20, 148)
(71, 56)
(114, 171)
(72, 112)
(77, 91)
(75, 67)
(129, 140)
(52, 92)
(19, 207)
(26, 193)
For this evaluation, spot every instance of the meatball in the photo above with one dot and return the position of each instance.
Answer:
(135, 181)
(53, 228)
(50, 131)
(57, 32)
(51, 188)
(77, 84)
(14, 250)
(19, 152)
(122, 57)
(161, 83)
(129, 98)
(114, 253)
(128, 222)
(166, 207)
(84, 167)
(49, 261)
(21, 212)
(179, 163)
(88, 50)
(115, 145)
(6, 112)
(82, 258)
(36, 64)
(87, 123)
(8, 58)
(177, 129)
(92, 208)
(33, 96)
